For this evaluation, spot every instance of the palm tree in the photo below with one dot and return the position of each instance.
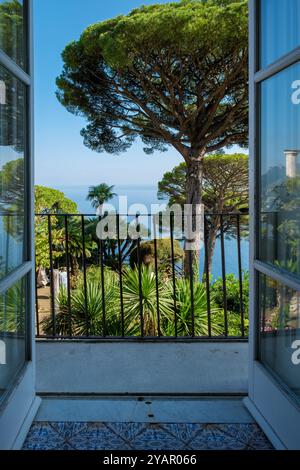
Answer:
(100, 194)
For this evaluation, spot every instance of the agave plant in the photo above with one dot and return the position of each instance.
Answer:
(183, 303)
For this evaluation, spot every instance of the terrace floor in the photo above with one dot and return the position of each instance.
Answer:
(144, 423)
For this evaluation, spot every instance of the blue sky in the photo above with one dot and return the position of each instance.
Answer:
(61, 157)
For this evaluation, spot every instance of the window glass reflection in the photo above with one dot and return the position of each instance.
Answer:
(280, 32)
(12, 334)
(12, 30)
(280, 331)
(12, 102)
(280, 170)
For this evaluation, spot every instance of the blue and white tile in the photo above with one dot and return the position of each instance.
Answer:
(43, 437)
(154, 437)
(183, 432)
(250, 434)
(144, 436)
(259, 443)
(68, 429)
(210, 437)
(65, 446)
(128, 431)
(97, 436)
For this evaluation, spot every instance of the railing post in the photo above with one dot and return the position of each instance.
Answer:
(87, 322)
(51, 277)
(102, 287)
(120, 275)
(224, 276)
(68, 274)
(238, 235)
(156, 275)
(37, 316)
(173, 272)
(207, 276)
(140, 278)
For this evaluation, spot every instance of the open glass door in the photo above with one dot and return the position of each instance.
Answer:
(17, 396)
(274, 395)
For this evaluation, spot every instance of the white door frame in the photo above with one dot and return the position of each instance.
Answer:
(19, 404)
(269, 400)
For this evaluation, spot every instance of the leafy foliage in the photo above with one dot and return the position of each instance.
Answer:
(233, 301)
(184, 309)
(147, 253)
(11, 28)
(100, 194)
(12, 197)
(148, 300)
(225, 183)
(225, 191)
(12, 310)
(91, 319)
(50, 201)
(157, 74)
(13, 104)
(173, 75)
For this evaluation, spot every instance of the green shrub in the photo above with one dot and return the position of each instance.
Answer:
(233, 302)
(164, 257)
(233, 293)
(184, 311)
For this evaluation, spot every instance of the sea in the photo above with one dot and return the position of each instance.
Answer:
(140, 199)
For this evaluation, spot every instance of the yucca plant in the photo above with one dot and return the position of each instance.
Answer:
(87, 316)
(139, 296)
(134, 298)
(184, 311)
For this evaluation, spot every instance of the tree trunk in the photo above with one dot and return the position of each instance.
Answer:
(192, 218)
(211, 244)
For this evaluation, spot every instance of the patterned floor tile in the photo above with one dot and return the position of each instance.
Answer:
(250, 434)
(97, 436)
(128, 431)
(145, 436)
(183, 432)
(209, 437)
(64, 446)
(42, 436)
(68, 430)
(155, 437)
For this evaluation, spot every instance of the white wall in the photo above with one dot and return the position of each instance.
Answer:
(141, 367)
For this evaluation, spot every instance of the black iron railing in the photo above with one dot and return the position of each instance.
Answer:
(133, 281)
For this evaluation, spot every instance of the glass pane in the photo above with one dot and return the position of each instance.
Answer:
(280, 170)
(12, 334)
(12, 109)
(280, 331)
(280, 32)
(12, 30)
